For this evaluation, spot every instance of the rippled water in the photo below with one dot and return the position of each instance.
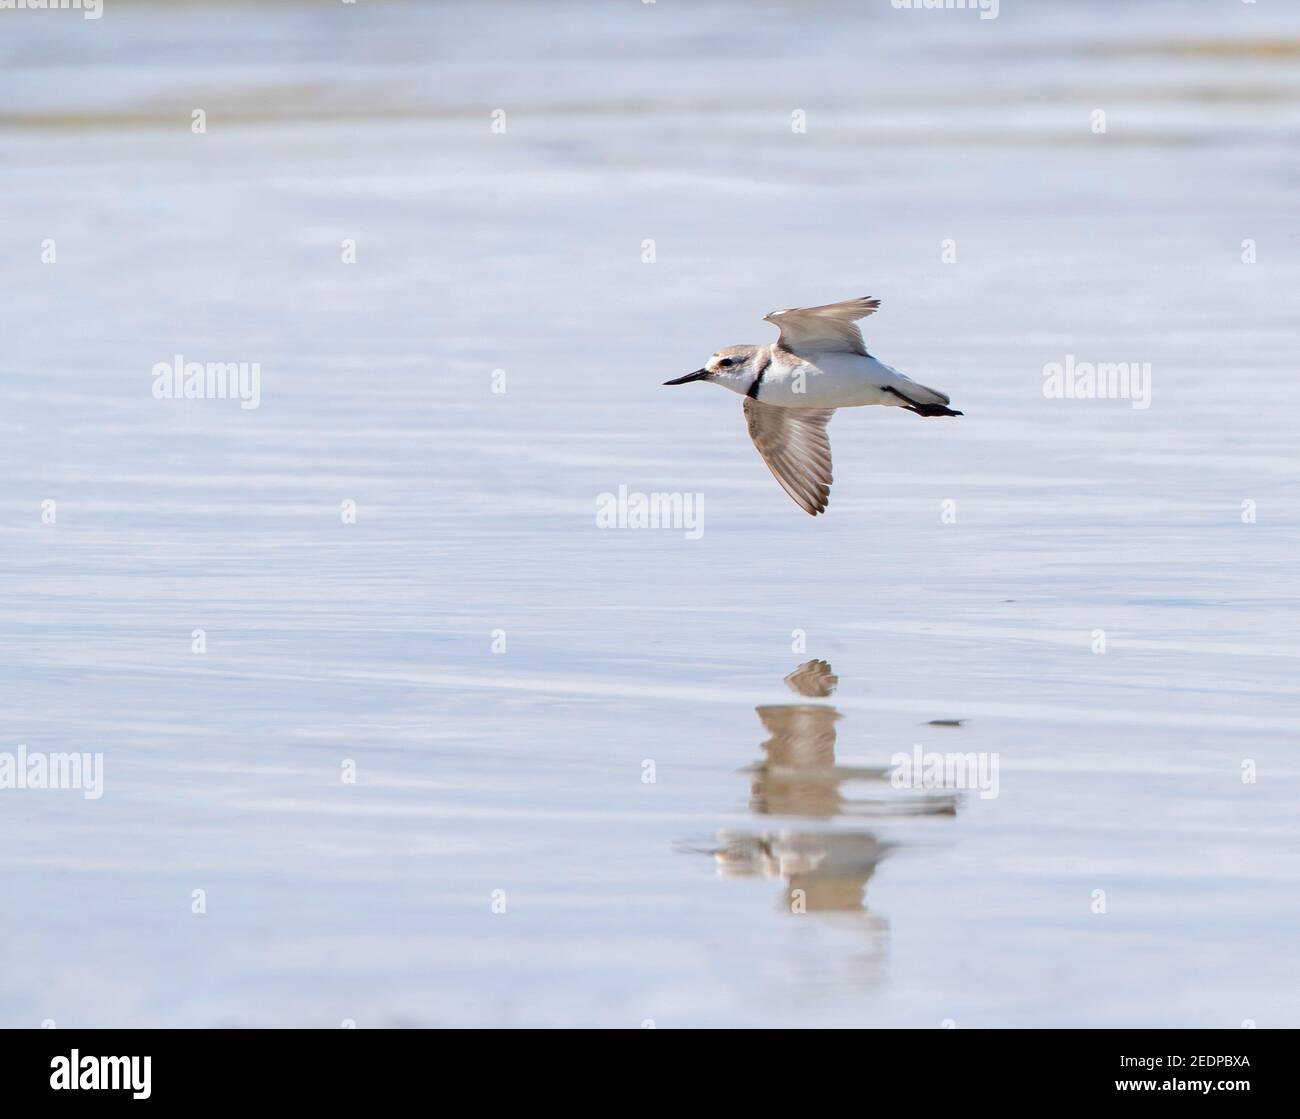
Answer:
(592, 729)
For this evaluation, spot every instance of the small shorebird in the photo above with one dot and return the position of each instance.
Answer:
(792, 388)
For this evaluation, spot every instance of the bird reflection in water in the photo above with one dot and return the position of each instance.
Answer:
(798, 775)
(825, 871)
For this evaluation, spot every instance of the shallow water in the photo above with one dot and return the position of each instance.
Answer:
(504, 675)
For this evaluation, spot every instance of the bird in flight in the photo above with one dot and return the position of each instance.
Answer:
(793, 386)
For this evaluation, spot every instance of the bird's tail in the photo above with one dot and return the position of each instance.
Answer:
(924, 401)
(934, 410)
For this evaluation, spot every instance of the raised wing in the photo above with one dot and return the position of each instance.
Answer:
(794, 444)
(823, 329)
(813, 678)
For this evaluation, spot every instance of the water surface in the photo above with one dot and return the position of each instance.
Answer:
(504, 677)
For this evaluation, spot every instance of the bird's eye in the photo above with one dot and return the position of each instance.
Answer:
(725, 362)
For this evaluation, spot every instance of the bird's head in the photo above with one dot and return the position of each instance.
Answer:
(733, 367)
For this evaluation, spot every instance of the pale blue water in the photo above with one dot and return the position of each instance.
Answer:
(522, 770)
